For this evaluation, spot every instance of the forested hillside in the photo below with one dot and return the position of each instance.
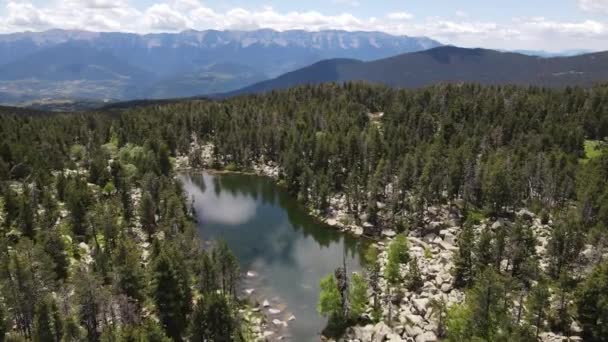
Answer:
(394, 155)
(449, 64)
(97, 240)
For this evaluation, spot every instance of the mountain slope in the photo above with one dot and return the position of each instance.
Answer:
(450, 64)
(174, 64)
(69, 61)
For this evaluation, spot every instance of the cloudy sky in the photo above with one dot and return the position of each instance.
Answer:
(506, 24)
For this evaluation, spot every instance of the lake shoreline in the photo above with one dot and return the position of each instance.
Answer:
(276, 311)
(261, 171)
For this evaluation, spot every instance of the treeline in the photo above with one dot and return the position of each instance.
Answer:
(392, 153)
(97, 241)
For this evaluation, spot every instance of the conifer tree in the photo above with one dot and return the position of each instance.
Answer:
(463, 259)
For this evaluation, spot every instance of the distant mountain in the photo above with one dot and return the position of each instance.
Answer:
(175, 64)
(69, 62)
(542, 53)
(449, 64)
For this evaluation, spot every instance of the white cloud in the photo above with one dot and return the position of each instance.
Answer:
(26, 15)
(162, 17)
(178, 15)
(400, 16)
(461, 14)
(353, 3)
(594, 6)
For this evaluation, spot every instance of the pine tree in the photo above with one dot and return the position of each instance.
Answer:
(592, 304)
(398, 254)
(564, 246)
(414, 278)
(463, 260)
(171, 291)
(358, 295)
(439, 311)
(227, 267)
(54, 246)
(484, 255)
(487, 305)
(89, 296)
(130, 278)
(212, 320)
(48, 326)
(330, 302)
(537, 306)
(147, 213)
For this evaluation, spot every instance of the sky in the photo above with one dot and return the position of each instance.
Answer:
(551, 25)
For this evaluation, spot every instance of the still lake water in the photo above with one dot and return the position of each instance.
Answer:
(273, 237)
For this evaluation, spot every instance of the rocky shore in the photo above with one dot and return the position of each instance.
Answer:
(409, 315)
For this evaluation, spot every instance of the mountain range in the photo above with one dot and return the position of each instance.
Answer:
(121, 66)
(448, 64)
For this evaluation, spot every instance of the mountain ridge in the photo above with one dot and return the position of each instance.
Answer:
(451, 64)
(180, 64)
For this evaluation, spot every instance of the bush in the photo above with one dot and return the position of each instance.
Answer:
(398, 253)
(544, 217)
(474, 216)
(231, 167)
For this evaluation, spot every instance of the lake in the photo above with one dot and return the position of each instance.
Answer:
(283, 252)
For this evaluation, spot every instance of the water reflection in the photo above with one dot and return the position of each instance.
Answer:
(271, 235)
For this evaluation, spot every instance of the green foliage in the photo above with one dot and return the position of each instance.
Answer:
(494, 148)
(464, 259)
(213, 320)
(398, 254)
(428, 254)
(414, 278)
(565, 244)
(439, 311)
(593, 149)
(231, 167)
(358, 295)
(458, 324)
(109, 189)
(484, 314)
(474, 216)
(330, 302)
(171, 291)
(537, 305)
(129, 272)
(592, 304)
(47, 322)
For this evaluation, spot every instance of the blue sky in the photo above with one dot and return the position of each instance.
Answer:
(503, 24)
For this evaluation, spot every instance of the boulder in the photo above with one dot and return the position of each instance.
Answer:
(428, 336)
(278, 322)
(356, 230)
(421, 305)
(497, 225)
(392, 337)
(360, 333)
(526, 214)
(449, 238)
(446, 246)
(412, 331)
(414, 320)
(388, 233)
(446, 287)
(381, 330)
(266, 303)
